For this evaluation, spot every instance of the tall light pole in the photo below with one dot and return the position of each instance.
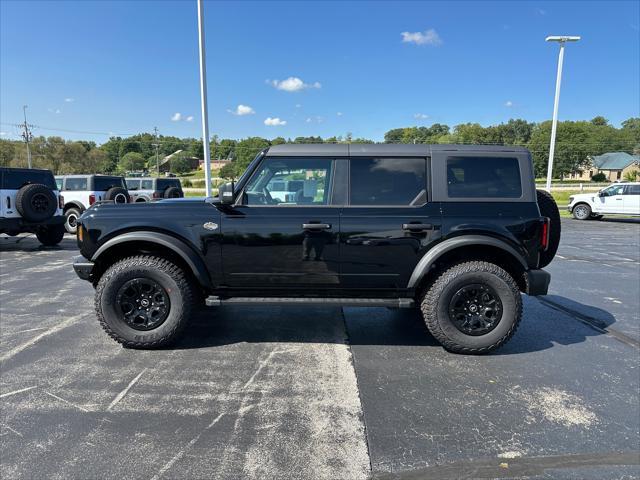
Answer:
(203, 100)
(562, 39)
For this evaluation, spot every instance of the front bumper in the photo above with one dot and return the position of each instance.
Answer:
(82, 267)
(537, 282)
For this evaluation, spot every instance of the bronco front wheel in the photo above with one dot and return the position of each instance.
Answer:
(144, 301)
(472, 307)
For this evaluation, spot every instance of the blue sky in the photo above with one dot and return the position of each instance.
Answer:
(310, 68)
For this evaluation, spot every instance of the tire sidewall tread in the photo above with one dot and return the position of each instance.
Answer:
(169, 276)
(435, 304)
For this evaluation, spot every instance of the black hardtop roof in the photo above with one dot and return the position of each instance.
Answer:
(24, 170)
(386, 149)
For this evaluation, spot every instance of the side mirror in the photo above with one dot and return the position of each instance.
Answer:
(602, 194)
(225, 193)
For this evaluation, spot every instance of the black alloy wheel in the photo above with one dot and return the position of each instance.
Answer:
(475, 309)
(144, 303)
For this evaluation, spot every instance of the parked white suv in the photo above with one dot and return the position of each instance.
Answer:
(82, 191)
(31, 202)
(146, 189)
(616, 199)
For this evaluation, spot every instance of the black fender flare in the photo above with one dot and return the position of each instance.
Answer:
(184, 251)
(440, 249)
(73, 204)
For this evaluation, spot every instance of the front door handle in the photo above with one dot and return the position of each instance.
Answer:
(417, 227)
(316, 226)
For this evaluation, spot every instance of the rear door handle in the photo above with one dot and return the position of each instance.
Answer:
(417, 227)
(316, 226)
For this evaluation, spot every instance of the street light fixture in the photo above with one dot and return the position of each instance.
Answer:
(561, 39)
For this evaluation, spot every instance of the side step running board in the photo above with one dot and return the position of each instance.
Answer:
(213, 301)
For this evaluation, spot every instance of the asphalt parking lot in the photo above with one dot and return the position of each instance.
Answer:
(336, 393)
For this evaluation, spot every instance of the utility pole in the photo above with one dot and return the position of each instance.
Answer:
(203, 99)
(157, 145)
(27, 135)
(561, 39)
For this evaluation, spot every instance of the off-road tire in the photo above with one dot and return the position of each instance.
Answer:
(50, 235)
(72, 215)
(118, 195)
(173, 192)
(171, 277)
(36, 202)
(435, 305)
(582, 211)
(549, 208)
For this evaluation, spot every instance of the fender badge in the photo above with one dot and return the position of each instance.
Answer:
(210, 226)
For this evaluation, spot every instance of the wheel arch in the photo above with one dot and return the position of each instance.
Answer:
(467, 248)
(128, 244)
(73, 204)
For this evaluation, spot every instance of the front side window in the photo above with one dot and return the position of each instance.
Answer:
(146, 185)
(388, 181)
(290, 182)
(133, 184)
(478, 177)
(613, 190)
(76, 184)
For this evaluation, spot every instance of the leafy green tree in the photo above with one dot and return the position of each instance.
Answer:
(180, 163)
(7, 152)
(131, 161)
(228, 171)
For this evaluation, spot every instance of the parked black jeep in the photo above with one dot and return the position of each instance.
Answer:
(457, 231)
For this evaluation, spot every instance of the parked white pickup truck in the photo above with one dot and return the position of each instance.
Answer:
(616, 199)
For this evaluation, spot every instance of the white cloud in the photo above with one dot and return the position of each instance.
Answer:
(339, 114)
(292, 84)
(274, 122)
(176, 117)
(309, 120)
(508, 103)
(189, 118)
(57, 111)
(69, 100)
(317, 119)
(298, 105)
(2, 134)
(242, 110)
(428, 37)
(420, 116)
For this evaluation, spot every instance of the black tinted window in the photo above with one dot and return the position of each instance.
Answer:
(105, 183)
(388, 181)
(474, 177)
(632, 190)
(146, 185)
(76, 184)
(15, 179)
(168, 182)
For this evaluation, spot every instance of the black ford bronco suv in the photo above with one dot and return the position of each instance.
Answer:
(456, 231)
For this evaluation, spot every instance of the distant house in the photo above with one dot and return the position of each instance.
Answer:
(614, 165)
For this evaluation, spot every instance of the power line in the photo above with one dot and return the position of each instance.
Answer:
(27, 135)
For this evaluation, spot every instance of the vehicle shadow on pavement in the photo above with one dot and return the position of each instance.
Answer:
(543, 326)
(29, 243)
(620, 220)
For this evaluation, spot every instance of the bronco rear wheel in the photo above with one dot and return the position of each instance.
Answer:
(144, 301)
(472, 307)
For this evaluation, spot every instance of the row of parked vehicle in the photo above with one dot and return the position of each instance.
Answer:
(35, 201)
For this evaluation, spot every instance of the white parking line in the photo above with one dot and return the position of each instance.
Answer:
(17, 391)
(121, 395)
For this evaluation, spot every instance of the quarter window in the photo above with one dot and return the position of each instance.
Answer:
(388, 181)
(632, 190)
(479, 177)
(75, 184)
(290, 182)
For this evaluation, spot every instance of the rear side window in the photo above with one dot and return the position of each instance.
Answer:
(477, 177)
(632, 190)
(133, 184)
(146, 185)
(163, 184)
(388, 181)
(76, 184)
(15, 179)
(105, 183)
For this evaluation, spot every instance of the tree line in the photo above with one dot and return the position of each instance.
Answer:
(575, 142)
